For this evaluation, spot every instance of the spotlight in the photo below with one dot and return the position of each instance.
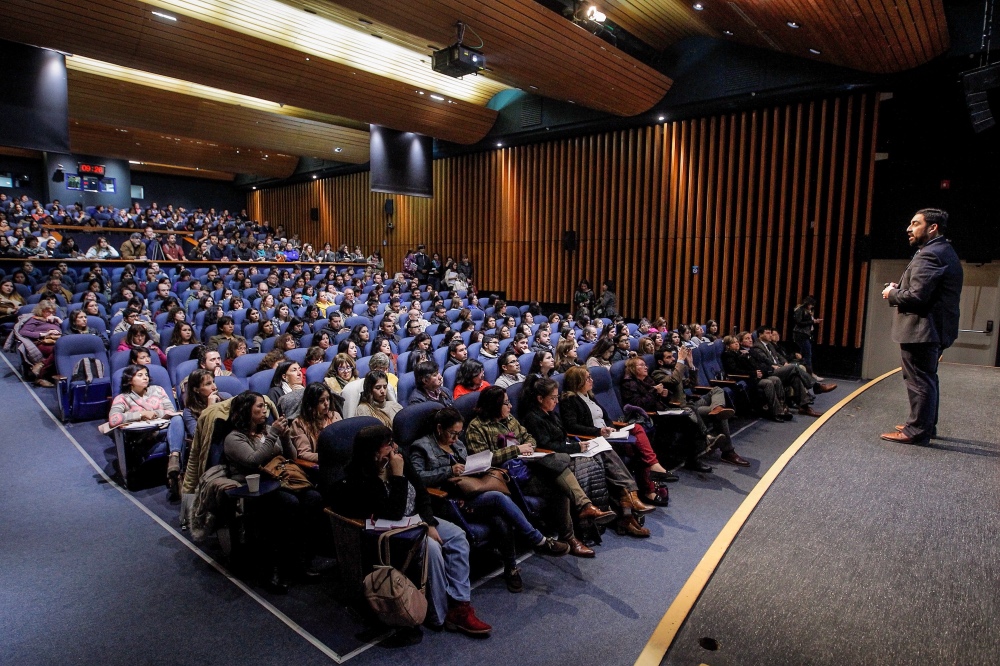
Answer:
(793, 25)
(815, 51)
(698, 6)
(595, 15)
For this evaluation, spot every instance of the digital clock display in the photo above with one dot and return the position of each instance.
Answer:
(92, 170)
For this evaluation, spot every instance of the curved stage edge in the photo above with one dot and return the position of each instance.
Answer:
(668, 627)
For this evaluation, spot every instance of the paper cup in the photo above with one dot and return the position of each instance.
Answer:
(253, 483)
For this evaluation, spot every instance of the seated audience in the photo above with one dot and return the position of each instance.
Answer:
(439, 458)
(375, 400)
(317, 411)
(39, 334)
(429, 385)
(471, 378)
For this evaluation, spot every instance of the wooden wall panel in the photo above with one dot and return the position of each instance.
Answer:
(769, 204)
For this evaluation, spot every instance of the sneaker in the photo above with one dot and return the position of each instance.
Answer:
(44, 383)
(462, 617)
(513, 578)
(552, 547)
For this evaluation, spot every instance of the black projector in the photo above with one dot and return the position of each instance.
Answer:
(457, 60)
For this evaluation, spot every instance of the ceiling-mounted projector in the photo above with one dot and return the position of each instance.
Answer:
(458, 60)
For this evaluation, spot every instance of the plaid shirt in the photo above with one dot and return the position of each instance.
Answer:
(483, 435)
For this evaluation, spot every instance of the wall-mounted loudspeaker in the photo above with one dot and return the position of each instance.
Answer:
(975, 85)
(390, 207)
(314, 214)
(569, 241)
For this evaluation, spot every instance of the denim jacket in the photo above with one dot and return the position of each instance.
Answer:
(433, 463)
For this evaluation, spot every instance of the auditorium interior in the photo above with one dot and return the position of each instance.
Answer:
(702, 165)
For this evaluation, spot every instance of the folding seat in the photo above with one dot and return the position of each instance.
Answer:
(180, 373)
(404, 345)
(306, 340)
(466, 337)
(245, 365)
(526, 360)
(80, 400)
(232, 385)
(466, 406)
(401, 362)
(412, 422)
(362, 365)
(491, 367)
(357, 320)
(298, 355)
(450, 377)
(405, 386)
(504, 344)
(441, 357)
(316, 373)
(617, 375)
(260, 382)
(474, 348)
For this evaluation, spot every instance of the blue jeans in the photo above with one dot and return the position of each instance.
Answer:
(447, 570)
(499, 507)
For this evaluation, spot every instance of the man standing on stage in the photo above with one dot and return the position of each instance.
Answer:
(926, 320)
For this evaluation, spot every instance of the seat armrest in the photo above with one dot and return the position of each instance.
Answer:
(437, 492)
(580, 437)
(60, 378)
(308, 464)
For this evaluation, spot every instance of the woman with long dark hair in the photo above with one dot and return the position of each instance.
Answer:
(318, 410)
(289, 518)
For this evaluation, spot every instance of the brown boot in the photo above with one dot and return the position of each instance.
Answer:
(578, 549)
(628, 525)
(591, 512)
(630, 500)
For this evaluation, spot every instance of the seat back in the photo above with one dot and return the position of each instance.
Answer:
(466, 406)
(232, 385)
(335, 445)
(182, 371)
(260, 382)
(405, 387)
(604, 393)
(72, 348)
(246, 365)
(412, 422)
(316, 372)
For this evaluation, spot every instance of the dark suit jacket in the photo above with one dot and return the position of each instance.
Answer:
(928, 296)
(576, 417)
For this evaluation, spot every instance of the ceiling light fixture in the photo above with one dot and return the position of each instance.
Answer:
(793, 25)
(165, 16)
(661, 118)
(437, 97)
(596, 15)
(727, 33)
(499, 144)
(815, 51)
(338, 150)
(698, 6)
(314, 176)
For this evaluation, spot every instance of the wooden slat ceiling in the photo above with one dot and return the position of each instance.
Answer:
(131, 106)
(530, 47)
(181, 171)
(141, 145)
(879, 36)
(126, 33)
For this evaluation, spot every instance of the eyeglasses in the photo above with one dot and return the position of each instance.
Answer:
(452, 434)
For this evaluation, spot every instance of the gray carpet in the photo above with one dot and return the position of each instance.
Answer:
(868, 552)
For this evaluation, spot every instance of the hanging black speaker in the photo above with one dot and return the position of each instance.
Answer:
(390, 207)
(314, 214)
(569, 241)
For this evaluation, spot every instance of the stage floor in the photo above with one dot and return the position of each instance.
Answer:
(864, 551)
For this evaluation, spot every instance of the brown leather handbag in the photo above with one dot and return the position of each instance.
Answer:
(290, 475)
(470, 486)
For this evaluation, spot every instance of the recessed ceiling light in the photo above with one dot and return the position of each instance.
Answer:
(499, 144)
(815, 51)
(793, 25)
(307, 59)
(314, 176)
(437, 97)
(698, 6)
(533, 87)
(727, 33)
(338, 150)
(255, 187)
(661, 118)
(165, 16)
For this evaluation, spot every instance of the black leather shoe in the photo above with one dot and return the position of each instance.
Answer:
(663, 477)
(697, 466)
(276, 584)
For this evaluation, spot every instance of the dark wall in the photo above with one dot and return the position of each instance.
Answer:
(117, 169)
(927, 135)
(18, 168)
(189, 193)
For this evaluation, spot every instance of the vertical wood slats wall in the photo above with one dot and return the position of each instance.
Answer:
(769, 204)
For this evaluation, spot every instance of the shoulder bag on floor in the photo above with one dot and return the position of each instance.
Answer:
(394, 598)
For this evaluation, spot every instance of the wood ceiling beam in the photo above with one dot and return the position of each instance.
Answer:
(530, 47)
(126, 33)
(100, 99)
(89, 138)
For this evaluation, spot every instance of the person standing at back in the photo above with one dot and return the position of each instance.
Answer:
(926, 320)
